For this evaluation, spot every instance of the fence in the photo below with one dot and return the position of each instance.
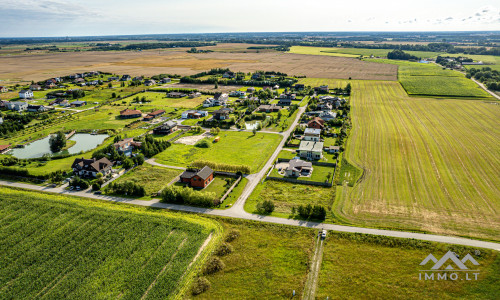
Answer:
(315, 163)
(327, 184)
(230, 189)
(229, 174)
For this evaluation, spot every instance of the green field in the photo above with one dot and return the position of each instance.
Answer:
(287, 195)
(354, 52)
(153, 178)
(388, 268)
(429, 164)
(234, 148)
(159, 100)
(332, 83)
(62, 247)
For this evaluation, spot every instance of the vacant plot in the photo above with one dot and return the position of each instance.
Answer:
(234, 148)
(64, 247)
(388, 268)
(159, 100)
(428, 164)
(287, 195)
(153, 178)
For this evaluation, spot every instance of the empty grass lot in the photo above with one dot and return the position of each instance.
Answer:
(234, 148)
(160, 100)
(63, 247)
(428, 164)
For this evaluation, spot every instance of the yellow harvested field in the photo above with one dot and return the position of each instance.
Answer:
(429, 164)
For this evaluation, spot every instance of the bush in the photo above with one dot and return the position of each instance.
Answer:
(221, 167)
(96, 186)
(204, 143)
(128, 188)
(200, 285)
(232, 235)
(214, 265)
(224, 249)
(317, 212)
(265, 207)
(77, 181)
(186, 195)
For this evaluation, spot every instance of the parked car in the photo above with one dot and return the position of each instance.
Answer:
(71, 188)
(98, 192)
(323, 234)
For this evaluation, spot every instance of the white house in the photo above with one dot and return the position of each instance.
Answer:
(311, 150)
(194, 114)
(26, 94)
(17, 106)
(1, 120)
(312, 134)
(328, 115)
(209, 102)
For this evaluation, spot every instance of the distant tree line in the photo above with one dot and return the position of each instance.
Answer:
(401, 55)
(491, 78)
(150, 46)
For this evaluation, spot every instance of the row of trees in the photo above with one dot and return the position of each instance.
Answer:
(186, 195)
(221, 167)
(491, 78)
(401, 55)
(128, 188)
(316, 212)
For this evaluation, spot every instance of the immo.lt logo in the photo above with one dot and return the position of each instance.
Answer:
(449, 267)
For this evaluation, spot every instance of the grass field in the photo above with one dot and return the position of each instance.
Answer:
(161, 101)
(57, 247)
(428, 164)
(388, 268)
(153, 178)
(354, 52)
(234, 148)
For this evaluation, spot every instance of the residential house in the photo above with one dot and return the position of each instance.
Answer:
(209, 102)
(269, 108)
(299, 87)
(194, 114)
(322, 89)
(36, 108)
(237, 94)
(26, 94)
(35, 87)
(251, 90)
(312, 134)
(256, 76)
(298, 167)
(149, 82)
(166, 80)
(130, 113)
(137, 78)
(126, 78)
(113, 78)
(254, 99)
(220, 98)
(80, 81)
(328, 115)
(228, 74)
(150, 116)
(324, 106)
(167, 128)
(285, 102)
(17, 106)
(316, 123)
(221, 114)
(126, 146)
(4, 149)
(3, 103)
(194, 95)
(59, 101)
(50, 85)
(332, 149)
(91, 167)
(275, 87)
(311, 150)
(266, 87)
(176, 95)
(78, 103)
(3, 89)
(198, 178)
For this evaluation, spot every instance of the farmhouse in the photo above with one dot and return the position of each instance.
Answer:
(25, 94)
(130, 113)
(36, 108)
(221, 114)
(269, 108)
(311, 150)
(126, 78)
(194, 95)
(90, 167)
(176, 95)
(155, 114)
(220, 98)
(166, 80)
(194, 114)
(35, 87)
(298, 167)
(149, 82)
(78, 103)
(228, 74)
(17, 106)
(166, 128)
(126, 146)
(198, 178)
(316, 123)
(312, 134)
(3, 89)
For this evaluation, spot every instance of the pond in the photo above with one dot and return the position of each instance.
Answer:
(84, 142)
(254, 124)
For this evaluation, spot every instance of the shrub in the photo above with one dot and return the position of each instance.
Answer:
(186, 195)
(200, 285)
(232, 235)
(204, 143)
(213, 265)
(224, 249)
(77, 181)
(265, 207)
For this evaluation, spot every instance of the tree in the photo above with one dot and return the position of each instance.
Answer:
(254, 131)
(267, 207)
(216, 85)
(110, 85)
(57, 142)
(128, 163)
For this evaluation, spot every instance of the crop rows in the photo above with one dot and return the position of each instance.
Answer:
(56, 249)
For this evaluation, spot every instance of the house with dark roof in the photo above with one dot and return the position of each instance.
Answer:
(130, 113)
(198, 178)
(36, 108)
(150, 82)
(194, 114)
(166, 128)
(221, 114)
(155, 114)
(91, 167)
(126, 78)
(78, 103)
(35, 87)
(298, 167)
(269, 108)
(228, 74)
(176, 95)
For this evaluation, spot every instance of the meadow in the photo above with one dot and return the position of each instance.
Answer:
(159, 100)
(63, 247)
(234, 148)
(354, 52)
(357, 265)
(428, 164)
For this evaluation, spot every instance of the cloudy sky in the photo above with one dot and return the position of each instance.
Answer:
(25, 18)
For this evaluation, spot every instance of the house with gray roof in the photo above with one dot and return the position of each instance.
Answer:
(311, 150)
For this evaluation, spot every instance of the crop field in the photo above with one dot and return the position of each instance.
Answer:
(428, 164)
(388, 268)
(153, 178)
(354, 52)
(431, 80)
(332, 83)
(234, 148)
(57, 247)
(287, 195)
(268, 262)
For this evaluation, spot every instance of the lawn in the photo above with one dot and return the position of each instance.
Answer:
(234, 148)
(430, 165)
(77, 248)
(319, 174)
(287, 195)
(268, 262)
(357, 265)
(153, 178)
(160, 100)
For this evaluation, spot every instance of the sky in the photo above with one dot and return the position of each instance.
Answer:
(47, 18)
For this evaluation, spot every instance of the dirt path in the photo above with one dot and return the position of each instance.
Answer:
(312, 277)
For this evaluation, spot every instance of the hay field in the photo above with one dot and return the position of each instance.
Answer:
(24, 68)
(428, 164)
